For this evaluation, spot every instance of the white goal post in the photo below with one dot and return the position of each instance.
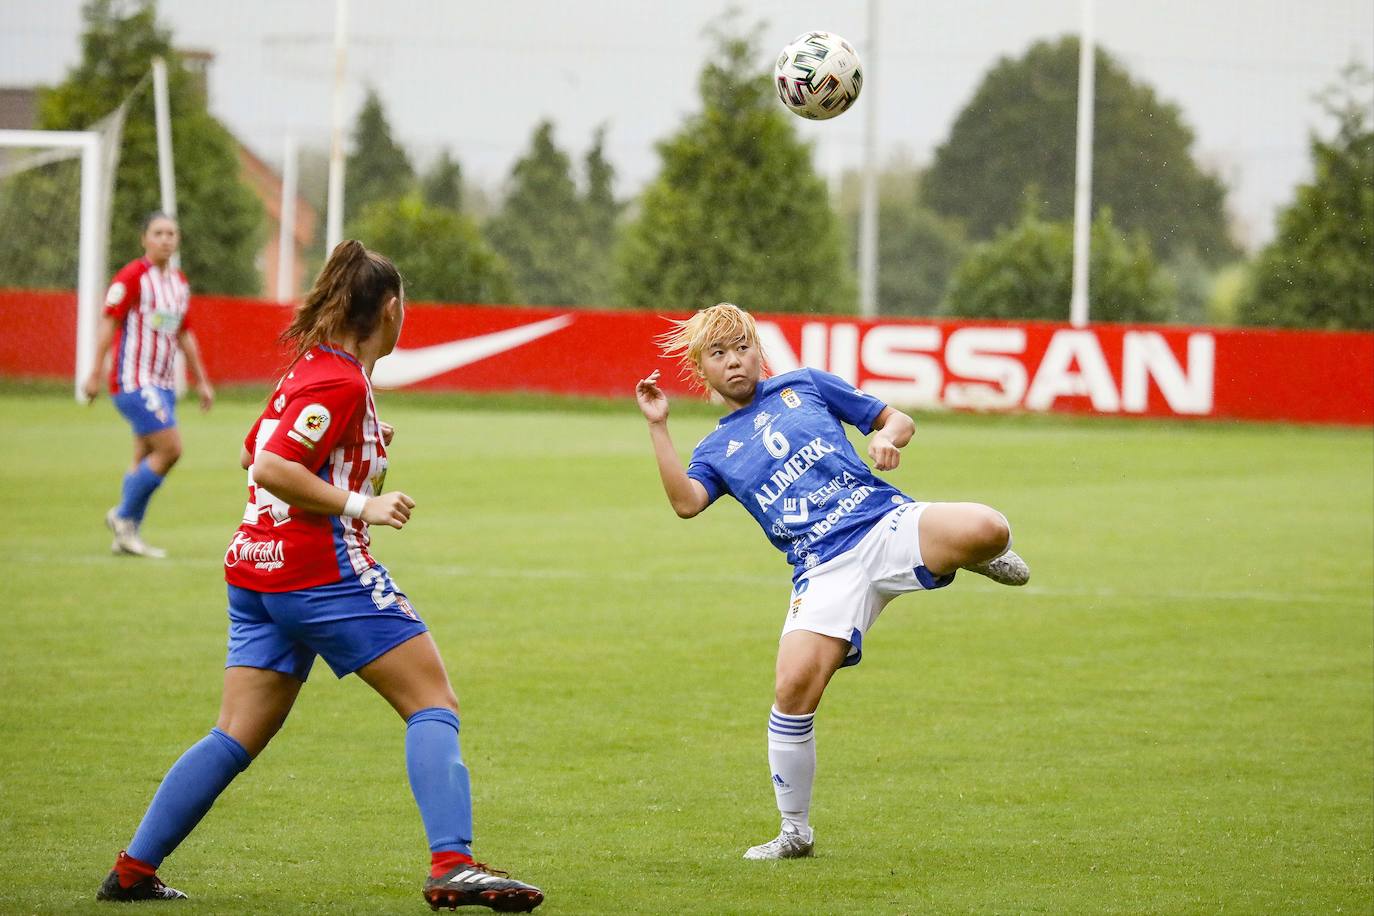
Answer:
(93, 230)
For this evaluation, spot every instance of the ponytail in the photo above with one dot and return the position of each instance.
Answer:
(347, 297)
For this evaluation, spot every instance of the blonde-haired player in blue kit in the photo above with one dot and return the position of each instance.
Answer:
(855, 541)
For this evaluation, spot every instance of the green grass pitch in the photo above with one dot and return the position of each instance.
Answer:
(1175, 717)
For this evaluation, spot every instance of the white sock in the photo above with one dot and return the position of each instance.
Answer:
(792, 757)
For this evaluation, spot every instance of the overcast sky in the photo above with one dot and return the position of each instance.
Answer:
(476, 77)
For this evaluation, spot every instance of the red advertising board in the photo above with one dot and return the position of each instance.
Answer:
(1117, 370)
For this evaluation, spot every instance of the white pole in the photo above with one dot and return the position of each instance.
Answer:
(165, 172)
(334, 220)
(868, 217)
(1083, 173)
(286, 239)
(88, 277)
(167, 182)
(89, 241)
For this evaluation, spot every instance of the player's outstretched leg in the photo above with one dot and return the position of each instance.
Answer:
(970, 536)
(144, 884)
(477, 884)
(412, 678)
(1007, 569)
(185, 796)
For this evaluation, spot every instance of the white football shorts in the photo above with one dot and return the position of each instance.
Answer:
(843, 596)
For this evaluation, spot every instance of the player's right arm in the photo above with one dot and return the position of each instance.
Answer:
(119, 298)
(687, 496)
(294, 484)
(312, 423)
(104, 337)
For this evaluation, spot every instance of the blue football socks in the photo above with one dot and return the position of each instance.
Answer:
(439, 779)
(186, 794)
(139, 486)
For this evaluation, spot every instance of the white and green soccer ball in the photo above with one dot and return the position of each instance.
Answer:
(818, 75)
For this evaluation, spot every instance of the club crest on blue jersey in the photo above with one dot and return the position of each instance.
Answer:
(790, 398)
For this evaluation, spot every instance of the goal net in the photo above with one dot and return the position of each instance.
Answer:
(55, 194)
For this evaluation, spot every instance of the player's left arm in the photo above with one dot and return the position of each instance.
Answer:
(104, 339)
(187, 339)
(892, 430)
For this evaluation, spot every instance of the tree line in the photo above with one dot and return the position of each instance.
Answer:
(737, 211)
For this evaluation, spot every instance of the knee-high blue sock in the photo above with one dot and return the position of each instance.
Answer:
(139, 485)
(186, 794)
(439, 779)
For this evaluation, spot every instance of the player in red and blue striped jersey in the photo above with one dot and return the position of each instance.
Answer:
(302, 582)
(146, 321)
(854, 541)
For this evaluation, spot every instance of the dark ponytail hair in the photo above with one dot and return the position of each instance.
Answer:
(347, 298)
(154, 217)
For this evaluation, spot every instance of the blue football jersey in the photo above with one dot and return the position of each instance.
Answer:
(786, 458)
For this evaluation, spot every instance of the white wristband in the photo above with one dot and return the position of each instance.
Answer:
(353, 508)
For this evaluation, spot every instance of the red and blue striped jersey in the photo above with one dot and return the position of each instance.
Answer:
(321, 415)
(150, 303)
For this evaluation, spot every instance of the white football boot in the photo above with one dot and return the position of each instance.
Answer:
(788, 845)
(1008, 569)
(127, 539)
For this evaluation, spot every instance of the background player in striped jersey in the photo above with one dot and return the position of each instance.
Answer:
(855, 541)
(146, 321)
(302, 582)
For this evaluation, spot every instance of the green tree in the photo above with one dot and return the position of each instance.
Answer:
(737, 212)
(1019, 130)
(443, 184)
(1319, 269)
(918, 252)
(439, 252)
(1027, 272)
(539, 228)
(918, 249)
(378, 169)
(221, 220)
(600, 217)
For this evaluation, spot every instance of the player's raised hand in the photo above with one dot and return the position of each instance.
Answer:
(653, 403)
(885, 455)
(391, 509)
(388, 432)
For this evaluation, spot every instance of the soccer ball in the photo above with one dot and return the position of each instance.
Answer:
(818, 75)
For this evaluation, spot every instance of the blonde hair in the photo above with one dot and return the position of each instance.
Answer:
(723, 322)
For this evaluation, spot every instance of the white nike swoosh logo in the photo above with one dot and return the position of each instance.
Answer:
(406, 367)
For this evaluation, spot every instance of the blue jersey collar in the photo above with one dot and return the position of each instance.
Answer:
(344, 353)
(759, 394)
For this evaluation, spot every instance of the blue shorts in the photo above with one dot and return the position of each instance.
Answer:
(350, 623)
(148, 410)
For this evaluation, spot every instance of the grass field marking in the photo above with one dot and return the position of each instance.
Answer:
(578, 575)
